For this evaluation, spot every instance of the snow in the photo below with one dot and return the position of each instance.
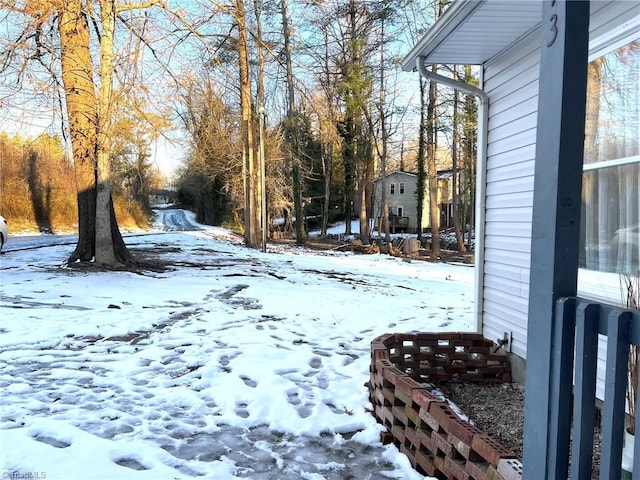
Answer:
(233, 363)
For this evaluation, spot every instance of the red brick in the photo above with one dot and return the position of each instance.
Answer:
(427, 336)
(472, 336)
(492, 473)
(463, 431)
(380, 354)
(489, 449)
(408, 385)
(378, 396)
(412, 438)
(382, 338)
(384, 414)
(456, 469)
(476, 470)
(410, 454)
(389, 395)
(426, 443)
(441, 446)
(460, 446)
(413, 417)
(475, 363)
(443, 414)
(485, 350)
(399, 416)
(405, 387)
(398, 434)
(439, 463)
(499, 357)
(492, 370)
(424, 398)
(440, 377)
(429, 419)
(426, 464)
(400, 338)
(449, 335)
(386, 437)
(392, 374)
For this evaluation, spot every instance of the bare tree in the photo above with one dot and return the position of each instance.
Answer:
(293, 129)
(455, 144)
(75, 42)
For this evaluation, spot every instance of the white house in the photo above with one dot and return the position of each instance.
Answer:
(513, 42)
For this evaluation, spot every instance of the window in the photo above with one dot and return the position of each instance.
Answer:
(392, 188)
(401, 188)
(610, 226)
(400, 211)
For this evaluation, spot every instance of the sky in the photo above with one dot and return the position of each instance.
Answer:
(233, 363)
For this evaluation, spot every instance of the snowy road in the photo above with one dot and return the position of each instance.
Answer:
(166, 220)
(175, 220)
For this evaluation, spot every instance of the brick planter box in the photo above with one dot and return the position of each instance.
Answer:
(423, 427)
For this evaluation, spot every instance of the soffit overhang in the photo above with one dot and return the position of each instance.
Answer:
(471, 32)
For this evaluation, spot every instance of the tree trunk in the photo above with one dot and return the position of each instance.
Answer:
(454, 156)
(293, 130)
(250, 214)
(364, 181)
(432, 168)
(385, 140)
(327, 143)
(470, 154)
(98, 233)
(422, 174)
(261, 216)
(77, 77)
(109, 246)
(327, 164)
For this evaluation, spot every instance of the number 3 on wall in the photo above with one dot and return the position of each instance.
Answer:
(554, 26)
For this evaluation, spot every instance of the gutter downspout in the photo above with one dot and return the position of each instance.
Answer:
(481, 174)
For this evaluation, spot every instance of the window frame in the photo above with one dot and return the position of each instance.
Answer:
(594, 284)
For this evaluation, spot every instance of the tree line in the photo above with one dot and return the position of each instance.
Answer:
(38, 188)
(289, 110)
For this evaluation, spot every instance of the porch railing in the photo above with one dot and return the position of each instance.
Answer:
(573, 395)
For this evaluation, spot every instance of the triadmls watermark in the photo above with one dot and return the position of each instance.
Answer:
(22, 475)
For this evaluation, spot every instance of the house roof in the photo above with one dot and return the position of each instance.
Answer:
(396, 172)
(442, 174)
(471, 32)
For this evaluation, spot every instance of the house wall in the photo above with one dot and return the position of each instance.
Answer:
(408, 200)
(511, 81)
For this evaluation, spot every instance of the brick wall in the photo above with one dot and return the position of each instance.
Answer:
(423, 427)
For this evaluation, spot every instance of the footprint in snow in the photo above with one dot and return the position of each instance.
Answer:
(315, 362)
(54, 442)
(241, 410)
(131, 463)
(248, 381)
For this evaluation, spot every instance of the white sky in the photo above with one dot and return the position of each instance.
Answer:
(234, 364)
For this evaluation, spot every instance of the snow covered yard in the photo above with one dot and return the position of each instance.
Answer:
(232, 363)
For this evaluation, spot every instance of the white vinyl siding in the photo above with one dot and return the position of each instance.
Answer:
(511, 81)
(512, 85)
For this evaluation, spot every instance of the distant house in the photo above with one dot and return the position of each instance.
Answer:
(402, 199)
(162, 197)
